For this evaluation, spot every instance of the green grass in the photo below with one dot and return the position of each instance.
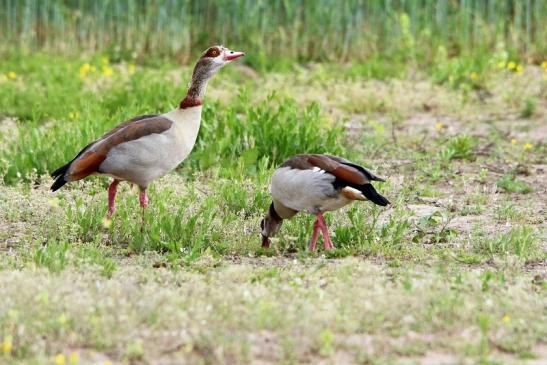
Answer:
(510, 184)
(459, 148)
(520, 241)
(456, 253)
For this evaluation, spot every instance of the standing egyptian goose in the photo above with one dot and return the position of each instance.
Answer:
(147, 147)
(316, 184)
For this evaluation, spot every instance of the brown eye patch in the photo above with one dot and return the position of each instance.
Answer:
(212, 52)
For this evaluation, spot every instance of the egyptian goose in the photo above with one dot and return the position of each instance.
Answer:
(316, 184)
(147, 147)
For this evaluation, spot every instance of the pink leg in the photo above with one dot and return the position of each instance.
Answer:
(314, 236)
(112, 189)
(325, 231)
(143, 199)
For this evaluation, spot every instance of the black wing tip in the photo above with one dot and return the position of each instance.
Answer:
(61, 170)
(382, 201)
(371, 194)
(59, 183)
(59, 176)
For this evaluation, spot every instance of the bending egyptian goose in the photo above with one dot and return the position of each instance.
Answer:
(147, 147)
(316, 184)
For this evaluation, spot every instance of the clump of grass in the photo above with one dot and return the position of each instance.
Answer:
(464, 73)
(459, 148)
(507, 212)
(325, 343)
(519, 241)
(528, 108)
(52, 256)
(274, 129)
(510, 184)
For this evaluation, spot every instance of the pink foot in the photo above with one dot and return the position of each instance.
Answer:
(112, 189)
(326, 237)
(314, 236)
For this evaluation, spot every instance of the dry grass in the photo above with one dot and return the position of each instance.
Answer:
(272, 310)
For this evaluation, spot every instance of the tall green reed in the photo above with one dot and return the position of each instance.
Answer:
(271, 31)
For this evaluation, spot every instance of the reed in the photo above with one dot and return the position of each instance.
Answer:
(297, 30)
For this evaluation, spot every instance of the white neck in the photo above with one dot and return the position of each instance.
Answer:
(187, 122)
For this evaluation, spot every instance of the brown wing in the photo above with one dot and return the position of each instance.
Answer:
(90, 158)
(368, 174)
(346, 173)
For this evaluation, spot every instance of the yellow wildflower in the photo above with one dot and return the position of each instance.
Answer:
(84, 70)
(501, 64)
(104, 61)
(11, 75)
(519, 68)
(107, 222)
(107, 362)
(473, 76)
(506, 319)
(13, 314)
(108, 71)
(60, 359)
(438, 126)
(544, 65)
(62, 319)
(527, 146)
(73, 358)
(188, 348)
(7, 345)
(73, 115)
(53, 202)
(131, 68)
(513, 141)
(511, 65)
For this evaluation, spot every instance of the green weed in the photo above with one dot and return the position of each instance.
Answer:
(274, 129)
(520, 241)
(325, 342)
(508, 212)
(459, 148)
(510, 184)
(52, 256)
(528, 108)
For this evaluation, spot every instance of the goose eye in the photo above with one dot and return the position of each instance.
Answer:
(214, 53)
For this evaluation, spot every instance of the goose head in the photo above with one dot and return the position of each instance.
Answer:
(214, 58)
(210, 62)
(270, 225)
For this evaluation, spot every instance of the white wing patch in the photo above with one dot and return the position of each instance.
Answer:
(306, 190)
